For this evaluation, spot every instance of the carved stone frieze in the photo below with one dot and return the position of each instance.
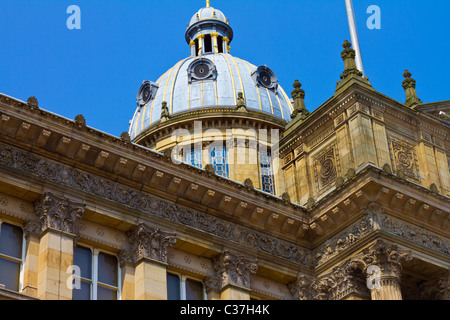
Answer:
(68, 176)
(334, 246)
(415, 234)
(147, 243)
(59, 213)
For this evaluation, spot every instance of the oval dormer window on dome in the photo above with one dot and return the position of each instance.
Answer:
(264, 77)
(201, 69)
(146, 93)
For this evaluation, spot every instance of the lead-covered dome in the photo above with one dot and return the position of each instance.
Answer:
(210, 78)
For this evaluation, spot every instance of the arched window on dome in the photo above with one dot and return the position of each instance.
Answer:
(219, 160)
(267, 176)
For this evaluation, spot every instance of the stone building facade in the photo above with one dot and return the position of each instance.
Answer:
(351, 201)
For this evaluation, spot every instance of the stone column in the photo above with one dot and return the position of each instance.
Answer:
(231, 280)
(59, 226)
(382, 265)
(148, 254)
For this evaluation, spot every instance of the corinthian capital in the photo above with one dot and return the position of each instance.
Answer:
(150, 243)
(386, 256)
(232, 269)
(59, 213)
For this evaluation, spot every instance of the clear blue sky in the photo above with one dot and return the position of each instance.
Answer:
(97, 71)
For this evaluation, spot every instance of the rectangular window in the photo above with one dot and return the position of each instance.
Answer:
(194, 157)
(219, 160)
(267, 176)
(183, 288)
(98, 275)
(11, 256)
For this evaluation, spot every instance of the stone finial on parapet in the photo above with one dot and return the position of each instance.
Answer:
(348, 56)
(409, 85)
(298, 95)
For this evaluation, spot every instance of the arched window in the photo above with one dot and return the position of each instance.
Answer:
(11, 256)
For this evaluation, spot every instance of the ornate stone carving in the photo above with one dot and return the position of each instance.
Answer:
(326, 169)
(339, 283)
(33, 103)
(31, 228)
(386, 256)
(351, 235)
(231, 269)
(404, 158)
(148, 243)
(59, 213)
(414, 234)
(139, 200)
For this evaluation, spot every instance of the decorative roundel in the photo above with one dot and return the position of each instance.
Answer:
(146, 93)
(201, 69)
(265, 77)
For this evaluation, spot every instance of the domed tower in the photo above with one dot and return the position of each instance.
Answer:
(215, 109)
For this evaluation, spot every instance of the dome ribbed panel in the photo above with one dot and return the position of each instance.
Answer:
(233, 76)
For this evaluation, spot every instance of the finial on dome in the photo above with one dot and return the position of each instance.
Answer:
(208, 2)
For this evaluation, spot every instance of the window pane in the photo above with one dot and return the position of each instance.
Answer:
(194, 290)
(84, 293)
(267, 177)
(106, 294)
(9, 274)
(219, 160)
(173, 287)
(11, 240)
(194, 157)
(107, 269)
(82, 258)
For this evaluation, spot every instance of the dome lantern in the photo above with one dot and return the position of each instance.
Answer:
(209, 32)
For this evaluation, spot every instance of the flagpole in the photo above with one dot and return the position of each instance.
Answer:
(354, 34)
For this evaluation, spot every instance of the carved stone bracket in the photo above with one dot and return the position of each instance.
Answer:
(147, 243)
(59, 213)
(231, 269)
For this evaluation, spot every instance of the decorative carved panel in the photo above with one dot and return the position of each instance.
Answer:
(326, 168)
(404, 157)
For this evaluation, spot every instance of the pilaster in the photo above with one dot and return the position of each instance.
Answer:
(148, 255)
(60, 219)
(231, 278)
